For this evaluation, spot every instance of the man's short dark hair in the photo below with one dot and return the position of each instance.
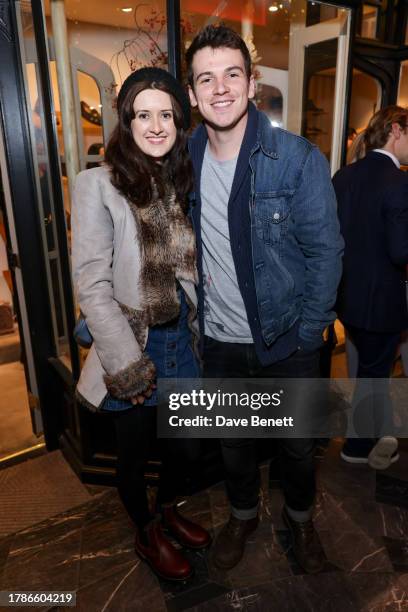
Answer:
(380, 126)
(216, 37)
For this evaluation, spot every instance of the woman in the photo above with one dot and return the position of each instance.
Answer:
(133, 256)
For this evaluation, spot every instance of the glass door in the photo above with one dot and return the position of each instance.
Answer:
(36, 224)
(21, 423)
(45, 181)
(318, 65)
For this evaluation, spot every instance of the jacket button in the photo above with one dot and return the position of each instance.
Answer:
(276, 215)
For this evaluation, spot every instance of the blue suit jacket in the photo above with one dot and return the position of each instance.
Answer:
(372, 197)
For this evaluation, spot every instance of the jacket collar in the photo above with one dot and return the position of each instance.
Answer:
(266, 135)
(265, 140)
(381, 154)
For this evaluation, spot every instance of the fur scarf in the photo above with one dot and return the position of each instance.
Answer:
(167, 246)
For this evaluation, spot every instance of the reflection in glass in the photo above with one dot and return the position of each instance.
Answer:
(270, 101)
(91, 116)
(369, 21)
(44, 195)
(365, 100)
(320, 74)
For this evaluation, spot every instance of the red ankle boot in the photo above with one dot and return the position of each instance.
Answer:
(186, 532)
(165, 560)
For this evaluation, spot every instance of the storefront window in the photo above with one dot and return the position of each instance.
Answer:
(106, 43)
(44, 191)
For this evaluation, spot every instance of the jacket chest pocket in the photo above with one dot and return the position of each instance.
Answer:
(271, 216)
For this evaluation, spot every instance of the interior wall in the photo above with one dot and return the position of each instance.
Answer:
(365, 100)
(403, 88)
(321, 93)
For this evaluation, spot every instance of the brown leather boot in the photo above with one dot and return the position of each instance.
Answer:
(186, 532)
(230, 543)
(306, 544)
(165, 560)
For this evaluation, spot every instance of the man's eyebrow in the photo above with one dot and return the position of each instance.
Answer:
(209, 73)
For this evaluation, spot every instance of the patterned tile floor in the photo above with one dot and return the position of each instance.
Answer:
(362, 518)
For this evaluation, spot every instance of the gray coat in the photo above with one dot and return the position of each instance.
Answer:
(106, 268)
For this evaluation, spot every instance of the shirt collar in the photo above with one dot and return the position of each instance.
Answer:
(390, 155)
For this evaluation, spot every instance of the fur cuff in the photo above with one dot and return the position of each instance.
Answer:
(133, 380)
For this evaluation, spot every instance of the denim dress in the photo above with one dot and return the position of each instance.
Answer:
(169, 347)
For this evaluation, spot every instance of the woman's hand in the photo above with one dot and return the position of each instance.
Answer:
(139, 399)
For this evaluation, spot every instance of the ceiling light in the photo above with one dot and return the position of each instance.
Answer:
(273, 8)
(127, 9)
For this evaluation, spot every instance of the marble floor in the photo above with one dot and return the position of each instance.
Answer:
(362, 518)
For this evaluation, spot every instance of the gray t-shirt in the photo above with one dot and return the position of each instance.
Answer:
(225, 316)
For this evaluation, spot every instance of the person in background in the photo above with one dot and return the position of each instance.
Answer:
(96, 148)
(351, 136)
(134, 271)
(372, 196)
(356, 150)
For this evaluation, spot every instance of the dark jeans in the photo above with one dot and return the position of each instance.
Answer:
(229, 360)
(376, 354)
(136, 434)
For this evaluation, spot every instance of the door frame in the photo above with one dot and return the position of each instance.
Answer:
(301, 37)
(23, 205)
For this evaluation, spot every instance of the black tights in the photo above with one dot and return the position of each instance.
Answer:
(135, 434)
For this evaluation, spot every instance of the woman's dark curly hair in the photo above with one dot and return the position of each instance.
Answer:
(132, 170)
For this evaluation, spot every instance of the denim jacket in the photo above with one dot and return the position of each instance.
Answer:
(295, 236)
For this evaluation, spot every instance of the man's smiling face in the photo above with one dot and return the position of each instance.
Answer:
(221, 87)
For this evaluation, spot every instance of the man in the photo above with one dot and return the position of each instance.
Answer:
(373, 211)
(269, 258)
(269, 254)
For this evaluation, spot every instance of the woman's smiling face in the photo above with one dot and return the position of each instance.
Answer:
(153, 127)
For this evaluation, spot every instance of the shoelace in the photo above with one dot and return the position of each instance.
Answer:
(307, 530)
